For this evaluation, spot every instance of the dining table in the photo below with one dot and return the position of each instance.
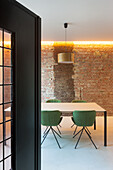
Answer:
(70, 107)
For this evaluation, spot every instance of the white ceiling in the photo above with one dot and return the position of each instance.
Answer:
(88, 19)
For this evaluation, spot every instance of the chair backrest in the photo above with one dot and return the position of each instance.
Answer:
(79, 101)
(84, 118)
(53, 101)
(50, 118)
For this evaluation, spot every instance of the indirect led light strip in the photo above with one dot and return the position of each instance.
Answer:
(78, 42)
(69, 42)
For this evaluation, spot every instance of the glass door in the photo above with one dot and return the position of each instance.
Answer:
(6, 100)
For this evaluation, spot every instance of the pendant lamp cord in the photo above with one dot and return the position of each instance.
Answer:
(65, 26)
(65, 38)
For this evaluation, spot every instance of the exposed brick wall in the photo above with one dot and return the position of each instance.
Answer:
(63, 82)
(92, 72)
(7, 77)
(47, 73)
(57, 79)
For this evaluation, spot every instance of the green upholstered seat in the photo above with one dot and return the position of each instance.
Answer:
(79, 101)
(50, 118)
(76, 101)
(84, 118)
(53, 101)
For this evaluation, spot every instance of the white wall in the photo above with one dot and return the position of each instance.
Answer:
(89, 19)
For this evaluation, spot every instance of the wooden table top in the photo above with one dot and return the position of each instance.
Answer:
(70, 107)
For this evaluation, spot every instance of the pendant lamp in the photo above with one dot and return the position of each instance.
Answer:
(66, 57)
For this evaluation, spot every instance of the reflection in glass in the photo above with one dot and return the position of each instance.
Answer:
(7, 148)
(7, 75)
(1, 132)
(0, 38)
(7, 57)
(7, 94)
(1, 94)
(7, 130)
(1, 56)
(5, 99)
(8, 164)
(7, 40)
(1, 151)
(1, 114)
(1, 73)
(7, 111)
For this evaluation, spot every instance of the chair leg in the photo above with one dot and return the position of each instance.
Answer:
(75, 130)
(45, 136)
(44, 133)
(91, 139)
(55, 137)
(72, 125)
(58, 129)
(77, 133)
(88, 130)
(79, 138)
(60, 125)
(46, 129)
(56, 132)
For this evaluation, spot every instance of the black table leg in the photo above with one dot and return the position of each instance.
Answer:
(95, 124)
(105, 128)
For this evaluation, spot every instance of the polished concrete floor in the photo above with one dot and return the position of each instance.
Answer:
(85, 157)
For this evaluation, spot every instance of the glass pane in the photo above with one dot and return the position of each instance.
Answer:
(1, 113)
(7, 57)
(1, 165)
(8, 164)
(7, 130)
(1, 73)
(0, 38)
(1, 151)
(7, 148)
(7, 94)
(7, 111)
(7, 40)
(1, 132)
(7, 75)
(1, 56)
(1, 94)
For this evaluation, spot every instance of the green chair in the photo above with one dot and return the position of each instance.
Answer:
(84, 119)
(76, 101)
(79, 101)
(50, 119)
(54, 101)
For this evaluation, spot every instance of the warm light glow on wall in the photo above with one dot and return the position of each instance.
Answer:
(47, 42)
(77, 43)
(94, 42)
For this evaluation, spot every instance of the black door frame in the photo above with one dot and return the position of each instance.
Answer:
(37, 87)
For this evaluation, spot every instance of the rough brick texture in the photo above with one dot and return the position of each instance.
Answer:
(92, 72)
